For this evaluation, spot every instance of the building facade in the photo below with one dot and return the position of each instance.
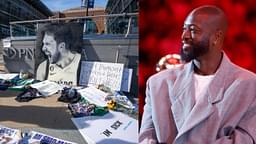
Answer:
(94, 25)
(122, 6)
(19, 10)
(119, 25)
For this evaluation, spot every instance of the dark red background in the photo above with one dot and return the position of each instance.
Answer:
(160, 28)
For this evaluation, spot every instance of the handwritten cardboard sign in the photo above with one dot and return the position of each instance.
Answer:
(112, 128)
(108, 74)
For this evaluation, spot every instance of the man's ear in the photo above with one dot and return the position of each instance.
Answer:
(218, 37)
(62, 46)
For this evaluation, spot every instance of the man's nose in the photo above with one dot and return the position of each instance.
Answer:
(186, 35)
(44, 48)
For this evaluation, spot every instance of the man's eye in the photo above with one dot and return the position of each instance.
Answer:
(192, 30)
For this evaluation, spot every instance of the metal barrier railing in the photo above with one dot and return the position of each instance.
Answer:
(126, 24)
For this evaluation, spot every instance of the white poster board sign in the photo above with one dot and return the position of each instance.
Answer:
(9, 135)
(108, 74)
(6, 43)
(37, 137)
(112, 128)
(8, 76)
(94, 95)
(47, 88)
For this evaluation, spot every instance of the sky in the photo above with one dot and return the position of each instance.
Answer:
(60, 5)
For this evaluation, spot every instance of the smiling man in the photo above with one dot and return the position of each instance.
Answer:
(207, 100)
(63, 61)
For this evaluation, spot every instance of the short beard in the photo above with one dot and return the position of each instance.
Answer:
(197, 50)
(55, 58)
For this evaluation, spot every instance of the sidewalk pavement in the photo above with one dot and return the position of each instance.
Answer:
(45, 115)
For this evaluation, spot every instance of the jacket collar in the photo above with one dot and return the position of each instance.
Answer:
(217, 85)
(187, 117)
(185, 80)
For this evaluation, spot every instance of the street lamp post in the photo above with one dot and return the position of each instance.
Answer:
(87, 7)
(88, 4)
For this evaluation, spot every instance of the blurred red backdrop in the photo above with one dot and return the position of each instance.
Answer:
(161, 23)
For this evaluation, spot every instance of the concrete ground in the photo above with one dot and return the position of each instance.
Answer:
(45, 115)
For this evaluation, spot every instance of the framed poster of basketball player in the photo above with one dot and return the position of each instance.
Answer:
(61, 46)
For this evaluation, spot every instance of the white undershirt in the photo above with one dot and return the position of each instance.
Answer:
(201, 84)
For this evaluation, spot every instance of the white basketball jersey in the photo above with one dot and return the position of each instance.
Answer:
(66, 75)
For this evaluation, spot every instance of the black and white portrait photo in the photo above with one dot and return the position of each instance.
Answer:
(60, 45)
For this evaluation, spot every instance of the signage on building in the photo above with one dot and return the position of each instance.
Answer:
(88, 3)
(18, 58)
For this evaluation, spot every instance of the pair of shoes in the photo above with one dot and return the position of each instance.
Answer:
(69, 95)
(27, 95)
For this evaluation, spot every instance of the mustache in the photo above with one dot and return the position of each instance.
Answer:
(186, 57)
(187, 41)
(47, 53)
